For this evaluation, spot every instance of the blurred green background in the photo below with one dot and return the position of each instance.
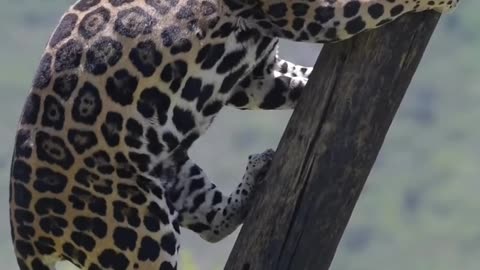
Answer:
(420, 208)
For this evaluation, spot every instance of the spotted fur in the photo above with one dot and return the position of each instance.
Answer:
(100, 174)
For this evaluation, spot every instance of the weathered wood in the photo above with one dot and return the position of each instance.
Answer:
(329, 148)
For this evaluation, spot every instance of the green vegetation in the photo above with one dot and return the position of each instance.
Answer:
(419, 208)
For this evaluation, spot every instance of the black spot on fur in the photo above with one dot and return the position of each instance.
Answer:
(95, 225)
(122, 212)
(94, 22)
(141, 160)
(278, 10)
(195, 170)
(182, 45)
(112, 127)
(185, 13)
(87, 105)
(103, 53)
(149, 186)
(324, 14)
(212, 108)
(211, 215)
(154, 145)
(149, 249)
(24, 248)
(192, 88)
(217, 198)
(43, 74)
(231, 60)
(22, 144)
(198, 227)
(101, 161)
(171, 140)
(133, 22)
(239, 99)
(247, 34)
(275, 97)
(82, 140)
(262, 46)
(351, 8)
(125, 238)
(73, 253)
(117, 3)
(64, 85)
(53, 225)
(300, 9)
(46, 206)
(174, 73)
(132, 193)
(64, 29)
(376, 10)
(224, 30)
(197, 202)
(162, 6)
(155, 217)
(207, 8)
(298, 24)
(170, 34)
(80, 198)
(45, 245)
(314, 28)
(49, 181)
(356, 25)
(183, 120)
(123, 167)
(169, 243)
(83, 240)
(202, 53)
(94, 267)
(397, 10)
(22, 195)
(134, 133)
(232, 78)
(37, 264)
(21, 171)
(85, 5)
(167, 266)
(214, 54)
(145, 57)
(88, 179)
(206, 93)
(331, 34)
(25, 231)
(31, 109)
(22, 265)
(53, 113)
(68, 56)
(121, 86)
(52, 149)
(110, 259)
(196, 184)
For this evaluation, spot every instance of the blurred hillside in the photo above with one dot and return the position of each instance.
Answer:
(420, 208)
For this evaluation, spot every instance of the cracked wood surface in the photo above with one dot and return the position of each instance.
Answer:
(329, 147)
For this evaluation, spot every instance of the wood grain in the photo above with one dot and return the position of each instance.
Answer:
(329, 147)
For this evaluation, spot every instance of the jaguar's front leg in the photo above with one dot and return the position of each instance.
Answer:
(204, 209)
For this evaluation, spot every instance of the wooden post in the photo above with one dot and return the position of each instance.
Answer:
(329, 148)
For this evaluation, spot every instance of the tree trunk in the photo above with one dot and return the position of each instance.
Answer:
(329, 148)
